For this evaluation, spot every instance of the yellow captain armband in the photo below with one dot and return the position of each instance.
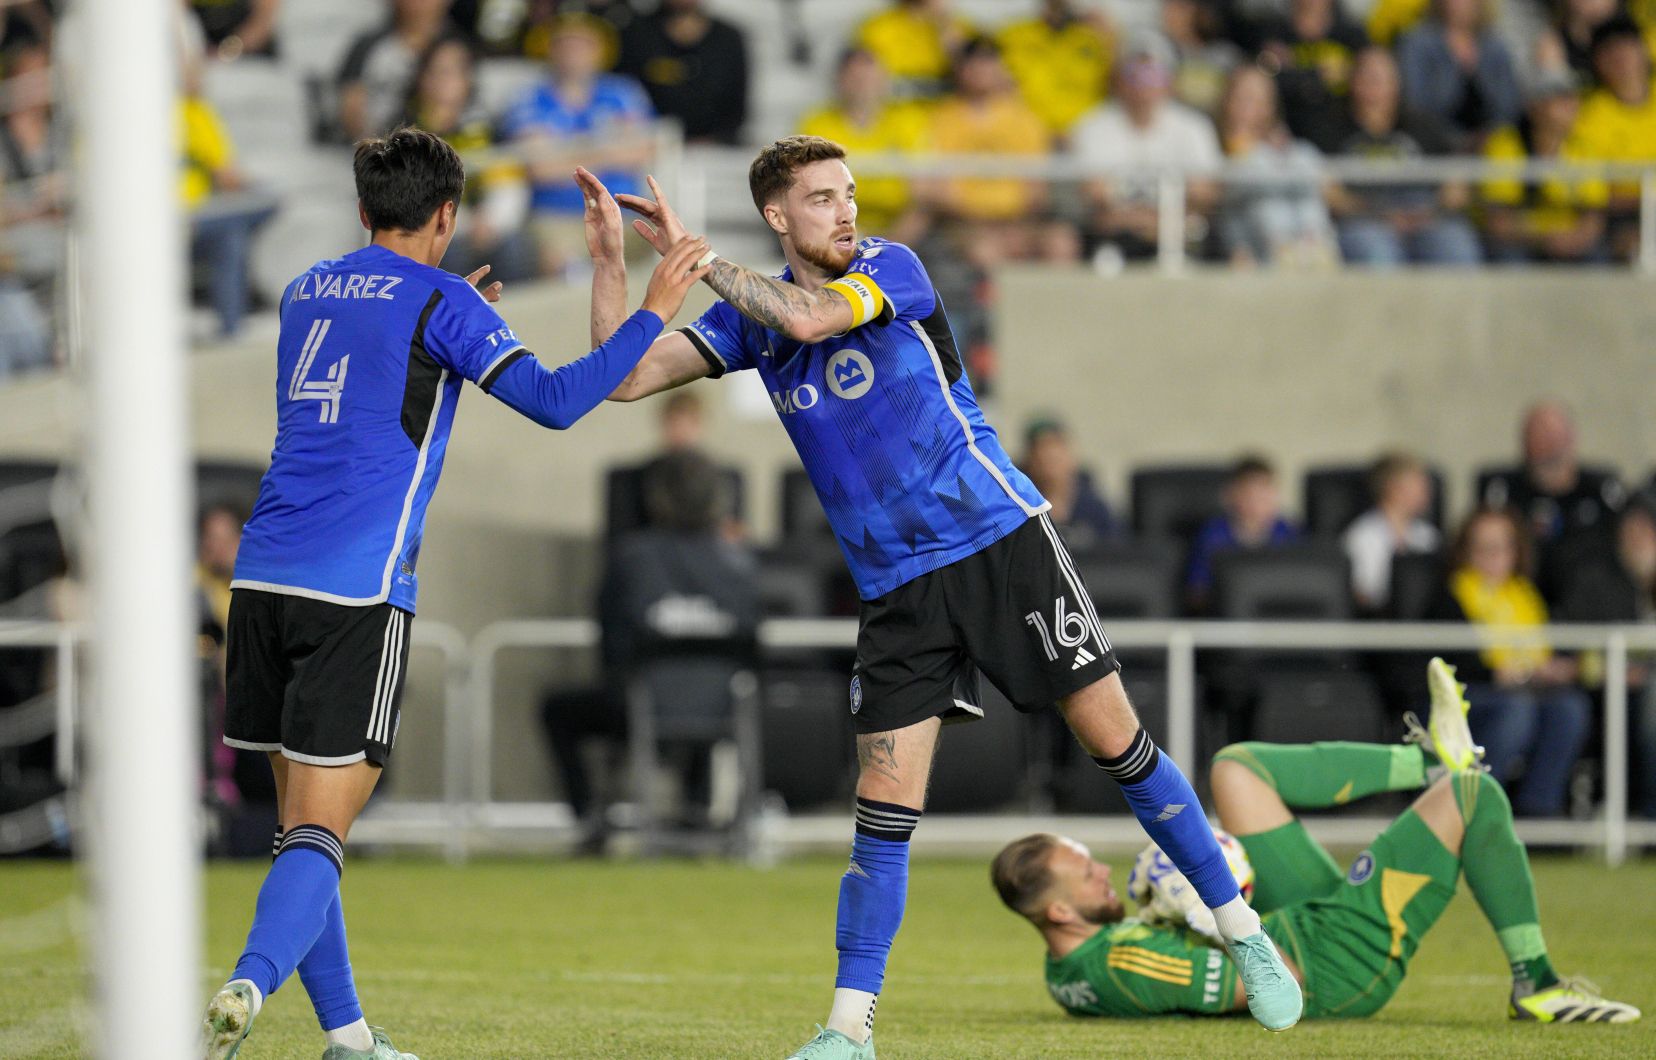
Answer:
(868, 302)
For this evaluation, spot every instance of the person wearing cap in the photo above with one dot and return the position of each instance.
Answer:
(1143, 130)
(577, 110)
(1618, 121)
(1556, 219)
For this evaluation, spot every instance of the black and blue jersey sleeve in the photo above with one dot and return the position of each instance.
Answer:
(886, 282)
(724, 338)
(465, 335)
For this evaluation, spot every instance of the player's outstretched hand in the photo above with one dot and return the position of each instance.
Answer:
(659, 224)
(490, 293)
(674, 277)
(604, 233)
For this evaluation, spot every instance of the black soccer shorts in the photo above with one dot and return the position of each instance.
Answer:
(1016, 611)
(320, 682)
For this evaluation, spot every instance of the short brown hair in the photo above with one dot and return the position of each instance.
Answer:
(772, 173)
(1392, 465)
(1461, 553)
(1022, 872)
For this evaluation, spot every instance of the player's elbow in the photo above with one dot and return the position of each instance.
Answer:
(807, 330)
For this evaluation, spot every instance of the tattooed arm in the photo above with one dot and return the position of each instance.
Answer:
(804, 316)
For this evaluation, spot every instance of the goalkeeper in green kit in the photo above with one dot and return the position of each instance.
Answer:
(1347, 936)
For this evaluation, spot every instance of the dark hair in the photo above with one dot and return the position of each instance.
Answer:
(684, 492)
(772, 173)
(411, 97)
(403, 178)
(1613, 29)
(1248, 466)
(1461, 554)
(1022, 872)
(236, 512)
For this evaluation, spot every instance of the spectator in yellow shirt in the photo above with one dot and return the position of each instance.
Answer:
(1390, 19)
(1618, 121)
(865, 120)
(224, 213)
(1555, 219)
(916, 41)
(1061, 61)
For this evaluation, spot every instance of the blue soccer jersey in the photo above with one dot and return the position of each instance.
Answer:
(373, 349)
(911, 476)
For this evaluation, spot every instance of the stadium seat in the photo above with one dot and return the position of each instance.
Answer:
(1175, 500)
(791, 586)
(1303, 582)
(982, 765)
(1416, 580)
(228, 482)
(802, 516)
(805, 728)
(1337, 494)
(1336, 705)
(1073, 779)
(1132, 579)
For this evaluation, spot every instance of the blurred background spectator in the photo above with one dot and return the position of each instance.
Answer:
(916, 41)
(1389, 224)
(1061, 60)
(1078, 509)
(1144, 129)
(577, 113)
(1457, 68)
(1203, 57)
(1621, 587)
(1389, 19)
(1395, 526)
(1551, 490)
(1312, 50)
(694, 66)
(1270, 221)
(378, 67)
(1253, 518)
(1526, 711)
(1567, 43)
(680, 571)
(1617, 122)
(442, 99)
(683, 430)
(865, 120)
(1554, 220)
(238, 28)
(32, 151)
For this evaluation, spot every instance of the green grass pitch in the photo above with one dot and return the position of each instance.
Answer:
(527, 958)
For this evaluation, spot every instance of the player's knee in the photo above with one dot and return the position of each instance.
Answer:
(1237, 762)
(1475, 790)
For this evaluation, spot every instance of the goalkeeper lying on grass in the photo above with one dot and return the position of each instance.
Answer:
(1348, 936)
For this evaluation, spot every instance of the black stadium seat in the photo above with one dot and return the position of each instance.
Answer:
(804, 725)
(227, 482)
(1337, 494)
(981, 765)
(1303, 582)
(1132, 579)
(802, 515)
(1333, 705)
(1175, 500)
(1416, 579)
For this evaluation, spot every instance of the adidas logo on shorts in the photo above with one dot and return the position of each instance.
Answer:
(1082, 658)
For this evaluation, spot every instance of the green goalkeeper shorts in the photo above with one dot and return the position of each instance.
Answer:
(1354, 944)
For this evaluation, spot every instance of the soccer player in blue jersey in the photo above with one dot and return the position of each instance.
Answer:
(373, 349)
(955, 557)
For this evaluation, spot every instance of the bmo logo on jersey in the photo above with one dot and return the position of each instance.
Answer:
(798, 399)
(850, 374)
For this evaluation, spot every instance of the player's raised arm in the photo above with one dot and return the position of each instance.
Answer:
(557, 398)
(802, 315)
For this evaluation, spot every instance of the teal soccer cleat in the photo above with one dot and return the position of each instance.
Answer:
(832, 1045)
(382, 1050)
(1274, 997)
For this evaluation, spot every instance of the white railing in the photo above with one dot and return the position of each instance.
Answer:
(469, 815)
(726, 167)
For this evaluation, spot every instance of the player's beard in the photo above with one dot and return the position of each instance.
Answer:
(827, 256)
(1106, 912)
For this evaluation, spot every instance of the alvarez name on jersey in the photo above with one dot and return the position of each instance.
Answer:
(910, 475)
(373, 349)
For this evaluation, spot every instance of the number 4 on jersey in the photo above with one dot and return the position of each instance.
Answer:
(330, 390)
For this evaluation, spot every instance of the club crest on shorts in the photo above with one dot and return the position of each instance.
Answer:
(856, 694)
(1361, 869)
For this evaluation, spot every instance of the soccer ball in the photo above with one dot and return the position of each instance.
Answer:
(1163, 893)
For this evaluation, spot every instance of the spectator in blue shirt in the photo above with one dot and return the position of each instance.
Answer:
(579, 114)
(1252, 519)
(1458, 69)
(1078, 509)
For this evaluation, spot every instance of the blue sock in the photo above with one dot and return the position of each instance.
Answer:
(292, 906)
(872, 893)
(1166, 805)
(326, 969)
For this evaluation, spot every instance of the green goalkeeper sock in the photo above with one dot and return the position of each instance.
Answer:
(1498, 871)
(1319, 775)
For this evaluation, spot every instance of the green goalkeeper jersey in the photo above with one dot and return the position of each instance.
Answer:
(1136, 968)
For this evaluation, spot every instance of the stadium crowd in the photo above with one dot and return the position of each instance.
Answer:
(1267, 90)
